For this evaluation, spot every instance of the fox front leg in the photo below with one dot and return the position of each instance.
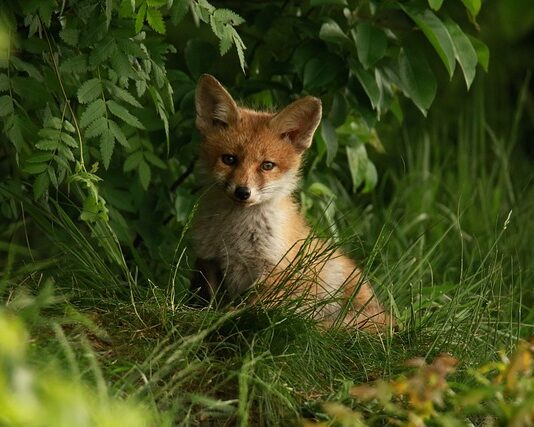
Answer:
(205, 281)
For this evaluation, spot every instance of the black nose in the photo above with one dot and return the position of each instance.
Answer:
(242, 193)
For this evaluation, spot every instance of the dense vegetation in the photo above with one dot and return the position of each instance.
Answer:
(97, 189)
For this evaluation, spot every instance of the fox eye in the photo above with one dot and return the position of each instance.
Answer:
(228, 159)
(267, 166)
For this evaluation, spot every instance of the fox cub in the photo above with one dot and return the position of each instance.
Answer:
(248, 229)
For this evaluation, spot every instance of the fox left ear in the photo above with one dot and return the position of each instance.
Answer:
(215, 106)
(298, 121)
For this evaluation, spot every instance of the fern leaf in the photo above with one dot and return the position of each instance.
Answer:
(226, 16)
(97, 128)
(4, 83)
(132, 161)
(140, 18)
(93, 111)
(6, 105)
(89, 91)
(155, 20)
(40, 185)
(144, 174)
(70, 36)
(118, 133)
(107, 144)
(123, 114)
(124, 95)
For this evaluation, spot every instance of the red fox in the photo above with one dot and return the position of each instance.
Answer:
(248, 229)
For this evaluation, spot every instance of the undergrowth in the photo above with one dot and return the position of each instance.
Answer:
(444, 240)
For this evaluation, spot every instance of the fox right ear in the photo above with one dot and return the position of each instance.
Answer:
(215, 106)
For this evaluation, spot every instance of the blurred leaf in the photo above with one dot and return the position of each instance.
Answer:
(328, 2)
(418, 80)
(331, 32)
(107, 143)
(369, 84)
(371, 43)
(92, 112)
(473, 6)
(6, 105)
(463, 51)
(436, 33)
(89, 90)
(435, 4)
(40, 185)
(483, 53)
(358, 161)
(199, 56)
(328, 133)
(155, 20)
(144, 174)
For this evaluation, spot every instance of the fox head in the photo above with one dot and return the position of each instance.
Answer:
(251, 156)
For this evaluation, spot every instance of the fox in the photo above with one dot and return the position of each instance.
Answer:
(247, 231)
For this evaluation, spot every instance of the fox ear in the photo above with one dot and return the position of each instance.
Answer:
(215, 106)
(298, 121)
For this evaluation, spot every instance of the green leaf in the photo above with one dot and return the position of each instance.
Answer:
(226, 16)
(124, 95)
(463, 51)
(371, 44)
(40, 185)
(178, 11)
(107, 144)
(47, 144)
(436, 33)
(317, 74)
(89, 91)
(109, 9)
(435, 4)
(473, 6)
(483, 53)
(6, 105)
(118, 133)
(371, 177)
(97, 128)
(123, 114)
(132, 161)
(155, 160)
(94, 110)
(358, 160)
(418, 80)
(70, 36)
(369, 84)
(52, 176)
(74, 64)
(68, 140)
(328, 133)
(35, 168)
(39, 157)
(140, 17)
(331, 32)
(339, 110)
(144, 174)
(155, 20)
(4, 83)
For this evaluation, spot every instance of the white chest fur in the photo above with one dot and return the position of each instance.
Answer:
(245, 241)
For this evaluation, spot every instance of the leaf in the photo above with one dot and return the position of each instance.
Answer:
(226, 16)
(435, 4)
(35, 168)
(70, 36)
(6, 105)
(39, 157)
(369, 84)
(94, 110)
(483, 53)
(463, 51)
(144, 174)
(107, 144)
(4, 83)
(74, 64)
(155, 160)
(473, 6)
(331, 32)
(436, 33)
(132, 161)
(140, 17)
(123, 114)
(68, 140)
(89, 91)
(97, 128)
(178, 11)
(358, 160)
(328, 133)
(40, 185)
(52, 176)
(47, 144)
(109, 9)
(371, 177)
(124, 95)
(417, 78)
(317, 74)
(118, 133)
(155, 20)
(371, 44)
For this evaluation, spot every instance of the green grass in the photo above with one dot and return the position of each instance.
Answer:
(445, 239)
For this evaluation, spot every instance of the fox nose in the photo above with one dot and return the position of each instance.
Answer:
(242, 193)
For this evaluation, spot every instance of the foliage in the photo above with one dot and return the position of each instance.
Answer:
(97, 96)
(500, 393)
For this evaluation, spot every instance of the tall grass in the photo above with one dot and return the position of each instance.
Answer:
(445, 240)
